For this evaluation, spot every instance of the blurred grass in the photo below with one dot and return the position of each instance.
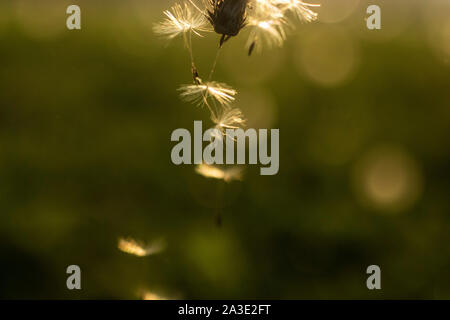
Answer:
(85, 124)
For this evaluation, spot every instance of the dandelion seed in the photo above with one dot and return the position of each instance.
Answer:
(181, 20)
(266, 9)
(199, 93)
(268, 21)
(272, 32)
(133, 247)
(301, 9)
(147, 295)
(229, 119)
(225, 174)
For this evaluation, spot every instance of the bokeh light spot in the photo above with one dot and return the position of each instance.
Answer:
(328, 56)
(388, 178)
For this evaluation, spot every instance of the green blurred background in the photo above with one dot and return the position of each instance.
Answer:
(85, 124)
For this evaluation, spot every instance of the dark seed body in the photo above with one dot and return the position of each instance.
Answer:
(228, 16)
(251, 48)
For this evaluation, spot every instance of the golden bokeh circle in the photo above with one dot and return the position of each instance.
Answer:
(388, 178)
(328, 57)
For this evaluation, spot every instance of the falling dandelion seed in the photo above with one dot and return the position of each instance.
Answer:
(300, 9)
(147, 295)
(268, 21)
(136, 248)
(199, 93)
(181, 20)
(265, 9)
(228, 119)
(271, 32)
(226, 174)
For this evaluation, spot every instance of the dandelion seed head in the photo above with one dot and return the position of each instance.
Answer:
(227, 17)
(215, 172)
(200, 93)
(131, 246)
(181, 20)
